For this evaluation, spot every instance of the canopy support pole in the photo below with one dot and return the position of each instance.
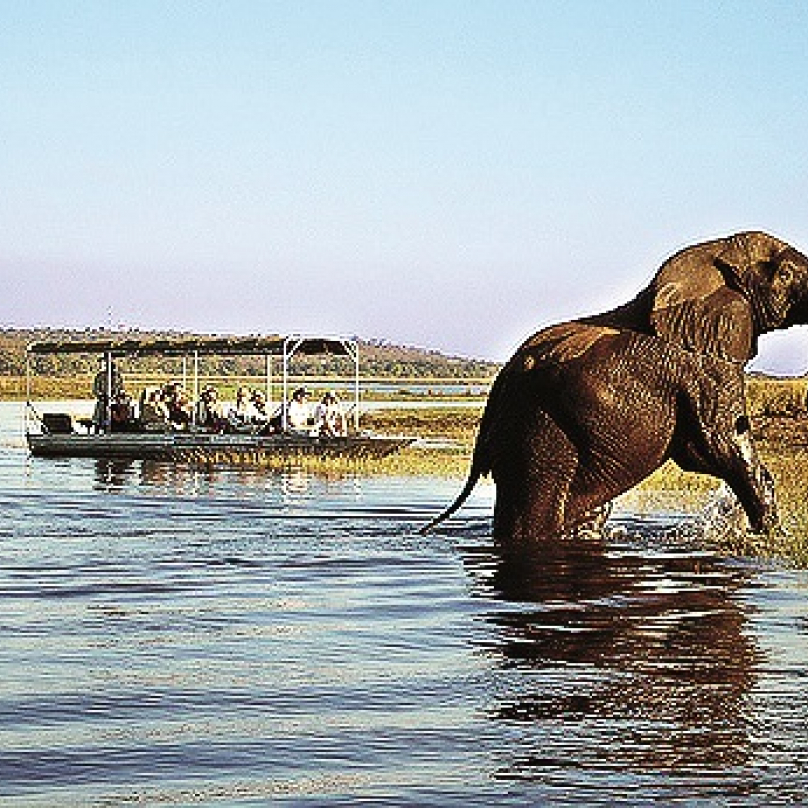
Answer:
(269, 384)
(107, 425)
(352, 349)
(28, 404)
(196, 388)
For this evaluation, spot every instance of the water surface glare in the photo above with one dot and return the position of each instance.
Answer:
(176, 635)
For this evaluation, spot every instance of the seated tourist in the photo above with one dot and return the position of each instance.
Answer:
(258, 407)
(298, 418)
(239, 416)
(153, 411)
(178, 404)
(209, 412)
(329, 419)
(122, 412)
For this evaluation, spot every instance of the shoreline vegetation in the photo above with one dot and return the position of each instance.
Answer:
(413, 380)
(446, 427)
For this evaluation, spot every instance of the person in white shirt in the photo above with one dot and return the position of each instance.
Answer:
(297, 412)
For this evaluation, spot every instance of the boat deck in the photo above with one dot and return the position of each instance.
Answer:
(185, 446)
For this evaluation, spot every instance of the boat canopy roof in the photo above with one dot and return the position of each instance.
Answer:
(202, 346)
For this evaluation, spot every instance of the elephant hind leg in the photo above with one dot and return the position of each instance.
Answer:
(533, 489)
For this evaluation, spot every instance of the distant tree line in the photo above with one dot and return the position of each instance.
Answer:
(377, 358)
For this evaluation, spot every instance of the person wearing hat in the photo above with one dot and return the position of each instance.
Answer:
(297, 412)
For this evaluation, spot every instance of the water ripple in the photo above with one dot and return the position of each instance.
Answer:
(175, 635)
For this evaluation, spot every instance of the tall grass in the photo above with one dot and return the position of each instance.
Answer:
(768, 397)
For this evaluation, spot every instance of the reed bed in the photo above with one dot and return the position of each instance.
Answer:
(767, 396)
(446, 438)
(782, 440)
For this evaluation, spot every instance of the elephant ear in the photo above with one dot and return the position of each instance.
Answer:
(765, 270)
(700, 302)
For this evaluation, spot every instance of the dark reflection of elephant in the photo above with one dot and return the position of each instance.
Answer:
(615, 659)
(585, 410)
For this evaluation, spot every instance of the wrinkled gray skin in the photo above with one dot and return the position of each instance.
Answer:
(587, 409)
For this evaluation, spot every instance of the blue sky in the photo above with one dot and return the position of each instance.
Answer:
(447, 174)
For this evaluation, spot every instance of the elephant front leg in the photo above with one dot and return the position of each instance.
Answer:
(730, 455)
(755, 488)
(718, 440)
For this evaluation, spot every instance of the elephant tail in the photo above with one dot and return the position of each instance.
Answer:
(481, 463)
(474, 476)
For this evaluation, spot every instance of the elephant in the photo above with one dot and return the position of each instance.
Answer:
(587, 409)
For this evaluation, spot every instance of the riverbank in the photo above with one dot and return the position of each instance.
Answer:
(446, 430)
(447, 439)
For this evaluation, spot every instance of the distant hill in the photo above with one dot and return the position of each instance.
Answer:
(378, 358)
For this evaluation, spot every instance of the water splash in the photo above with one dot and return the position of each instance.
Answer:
(722, 521)
(722, 525)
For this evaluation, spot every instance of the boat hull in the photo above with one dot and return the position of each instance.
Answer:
(199, 447)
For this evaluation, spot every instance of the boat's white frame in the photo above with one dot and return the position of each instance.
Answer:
(292, 343)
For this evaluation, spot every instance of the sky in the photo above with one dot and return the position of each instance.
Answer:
(450, 174)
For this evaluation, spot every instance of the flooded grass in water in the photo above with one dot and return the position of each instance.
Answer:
(446, 439)
(782, 443)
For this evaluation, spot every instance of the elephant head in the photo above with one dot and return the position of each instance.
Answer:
(718, 297)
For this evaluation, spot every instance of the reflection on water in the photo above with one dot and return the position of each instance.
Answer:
(112, 475)
(625, 658)
(188, 635)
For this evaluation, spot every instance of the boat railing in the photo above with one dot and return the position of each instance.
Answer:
(190, 350)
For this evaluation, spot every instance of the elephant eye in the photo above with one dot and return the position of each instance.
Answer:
(742, 425)
(785, 273)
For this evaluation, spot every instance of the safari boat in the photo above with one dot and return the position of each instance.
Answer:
(62, 434)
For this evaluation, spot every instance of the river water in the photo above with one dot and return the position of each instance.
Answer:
(185, 636)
